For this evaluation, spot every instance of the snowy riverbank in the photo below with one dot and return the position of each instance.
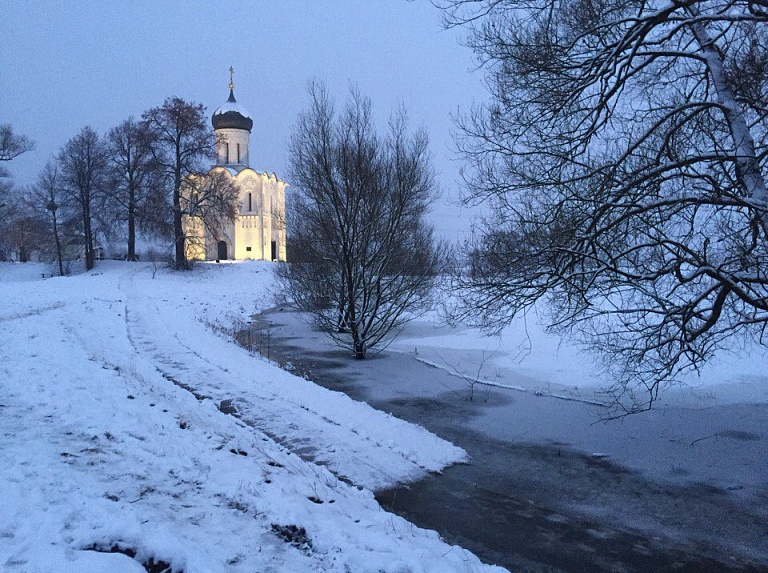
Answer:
(112, 437)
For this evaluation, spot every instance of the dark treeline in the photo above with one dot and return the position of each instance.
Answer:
(110, 188)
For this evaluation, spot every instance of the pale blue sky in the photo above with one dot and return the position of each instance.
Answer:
(66, 64)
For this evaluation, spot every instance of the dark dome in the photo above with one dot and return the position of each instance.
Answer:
(232, 115)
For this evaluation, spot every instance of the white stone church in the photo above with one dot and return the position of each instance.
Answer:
(258, 231)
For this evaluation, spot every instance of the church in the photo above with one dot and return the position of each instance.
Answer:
(258, 230)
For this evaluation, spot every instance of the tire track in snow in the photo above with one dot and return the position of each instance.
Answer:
(347, 453)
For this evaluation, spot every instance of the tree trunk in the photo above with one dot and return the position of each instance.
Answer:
(87, 235)
(131, 222)
(747, 165)
(58, 244)
(178, 229)
(359, 348)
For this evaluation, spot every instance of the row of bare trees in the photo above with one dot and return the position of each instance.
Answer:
(363, 257)
(143, 175)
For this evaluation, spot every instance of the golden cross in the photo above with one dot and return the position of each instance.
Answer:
(231, 83)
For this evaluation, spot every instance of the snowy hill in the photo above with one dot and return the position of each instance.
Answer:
(113, 440)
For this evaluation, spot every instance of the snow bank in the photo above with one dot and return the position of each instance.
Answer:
(104, 448)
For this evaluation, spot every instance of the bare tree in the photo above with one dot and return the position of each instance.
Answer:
(47, 195)
(623, 153)
(364, 259)
(182, 143)
(135, 182)
(83, 171)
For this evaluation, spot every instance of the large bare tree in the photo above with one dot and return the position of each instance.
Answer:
(83, 171)
(135, 182)
(183, 144)
(47, 197)
(623, 153)
(363, 258)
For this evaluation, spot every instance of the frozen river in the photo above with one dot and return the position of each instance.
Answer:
(550, 488)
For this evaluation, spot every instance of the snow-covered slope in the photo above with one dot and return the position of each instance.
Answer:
(110, 437)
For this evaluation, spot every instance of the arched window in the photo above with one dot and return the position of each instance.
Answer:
(250, 206)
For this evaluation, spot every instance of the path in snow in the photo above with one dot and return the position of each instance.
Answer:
(319, 431)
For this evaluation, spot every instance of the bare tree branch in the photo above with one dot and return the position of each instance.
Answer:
(11, 144)
(623, 153)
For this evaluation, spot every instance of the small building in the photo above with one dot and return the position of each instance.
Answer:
(258, 231)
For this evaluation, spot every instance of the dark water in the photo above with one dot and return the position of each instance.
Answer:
(543, 508)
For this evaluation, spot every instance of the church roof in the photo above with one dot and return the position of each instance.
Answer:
(232, 115)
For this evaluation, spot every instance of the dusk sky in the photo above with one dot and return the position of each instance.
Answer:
(64, 65)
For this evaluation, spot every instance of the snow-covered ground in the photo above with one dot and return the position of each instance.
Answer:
(111, 384)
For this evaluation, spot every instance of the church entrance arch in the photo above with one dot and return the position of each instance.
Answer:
(221, 253)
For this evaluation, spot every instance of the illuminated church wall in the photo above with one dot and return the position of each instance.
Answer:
(258, 231)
